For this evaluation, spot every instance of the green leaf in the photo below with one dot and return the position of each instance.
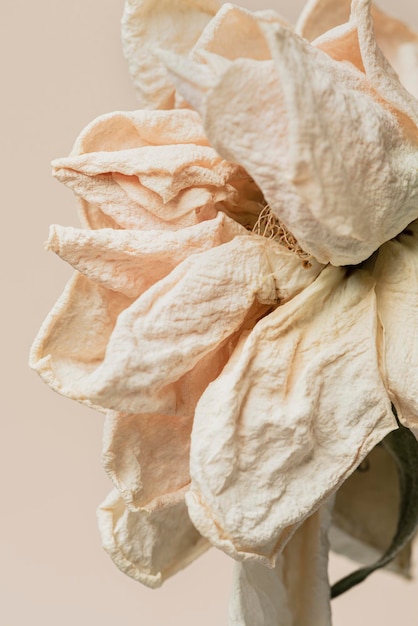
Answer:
(403, 446)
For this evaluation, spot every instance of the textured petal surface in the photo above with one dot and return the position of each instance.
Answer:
(151, 544)
(235, 33)
(184, 317)
(147, 456)
(397, 301)
(73, 338)
(282, 439)
(296, 591)
(132, 261)
(319, 16)
(317, 187)
(151, 24)
(366, 513)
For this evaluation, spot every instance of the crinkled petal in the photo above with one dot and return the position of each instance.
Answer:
(74, 336)
(123, 130)
(397, 302)
(366, 513)
(340, 200)
(187, 315)
(150, 24)
(319, 16)
(296, 591)
(152, 544)
(378, 70)
(180, 183)
(302, 403)
(147, 455)
(235, 33)
(132, 261)
(399, 44)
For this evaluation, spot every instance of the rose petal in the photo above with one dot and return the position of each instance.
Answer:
(123, 130)
(296, 592)
(152, 544)
(378, 69)
(340, 203)
(366, 513)
(73, 338)
(399, 44)
(132, 261)
(149, 24)
(282, 439)
(147, 456)
(397, 302)
(186, 316)
(235, 33)
(319, 16)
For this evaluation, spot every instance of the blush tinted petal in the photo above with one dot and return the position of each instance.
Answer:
(282, 439)
(397, 301)
(147, 455)
(150, 24)
(188, 315)
(151, 544)
(132, 261)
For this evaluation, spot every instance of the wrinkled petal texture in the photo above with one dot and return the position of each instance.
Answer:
(154, 170)
(341, 200)
(302, 403)
(147, 456)
(151, 544)
(149, 24)
(186, 316)
(397, 301)
(296, 591)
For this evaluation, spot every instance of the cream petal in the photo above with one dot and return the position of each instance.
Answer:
(132, 261)
(319, 16)
(296, 591)
(399, 44)
(379, 71)
(366, 513)
(149, 24)
(186, 316)
(152, 544)
(282, 439)
(319, 189)
(397, 302)
(73, 338)
(123, 130)
(235, 33)
(147, 456)
(167, 181)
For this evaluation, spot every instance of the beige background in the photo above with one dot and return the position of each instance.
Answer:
(61, 67)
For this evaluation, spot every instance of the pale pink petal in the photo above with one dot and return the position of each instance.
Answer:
(73, 338)
(132, 261)
(319, 16)
(150, 24)
(302, 403)
(340, 199)
(397, 301)
(123, 130)
(378, 70)
(186, 316)
(366, 513)
(147, 456)
(293, 593)
(234, 33)
(399, 44)
(152, 544)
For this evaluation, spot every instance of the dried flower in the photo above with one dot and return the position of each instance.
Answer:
(243, 306)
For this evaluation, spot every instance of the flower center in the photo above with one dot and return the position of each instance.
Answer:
(271, 227)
